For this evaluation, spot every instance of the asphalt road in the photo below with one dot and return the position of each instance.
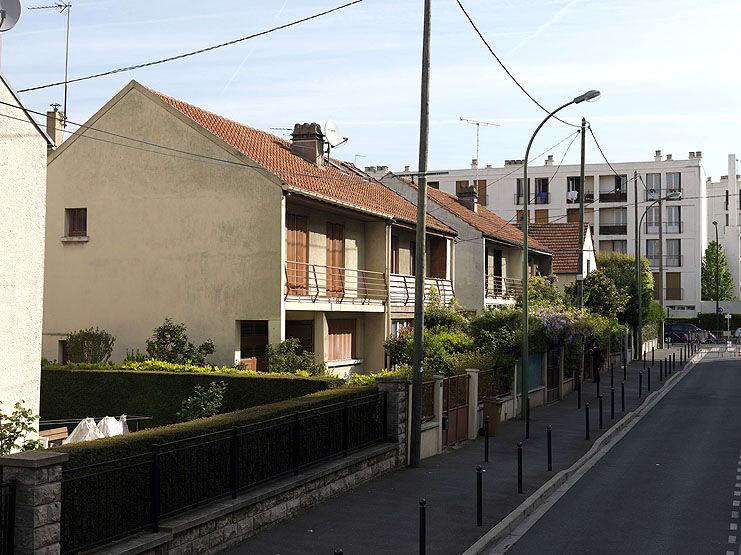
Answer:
(672, 485)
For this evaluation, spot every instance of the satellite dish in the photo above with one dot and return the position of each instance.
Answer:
(332, 134)
(10, 13)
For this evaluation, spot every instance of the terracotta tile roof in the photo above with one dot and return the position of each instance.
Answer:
(563, 240)
(486, 221)
(340, 184)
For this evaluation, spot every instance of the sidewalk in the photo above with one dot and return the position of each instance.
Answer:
(382, 516)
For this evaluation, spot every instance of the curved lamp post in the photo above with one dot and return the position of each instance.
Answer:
(717, 279)
(525, 359)
(674, 195)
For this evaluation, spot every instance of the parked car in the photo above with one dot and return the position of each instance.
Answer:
(682, 332)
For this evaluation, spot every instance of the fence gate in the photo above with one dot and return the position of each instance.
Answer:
(455, 408)
(553, 375)
(7, 517)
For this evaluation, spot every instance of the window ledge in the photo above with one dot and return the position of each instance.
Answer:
(70, 239)
(346, 362)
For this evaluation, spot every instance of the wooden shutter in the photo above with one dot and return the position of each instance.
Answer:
(541, 216)
(76, 222)
(341, 339)
(297, 254)
(673, 286)
(438, 257)
(460, 186)
(335, 259)
(481, 189)
(394, 254)
(572, 215)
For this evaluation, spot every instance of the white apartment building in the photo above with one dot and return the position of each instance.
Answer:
(610, 209)
(723, 197)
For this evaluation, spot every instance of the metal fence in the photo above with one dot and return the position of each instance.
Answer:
(7, 517)
(428, 401)
(108, 501)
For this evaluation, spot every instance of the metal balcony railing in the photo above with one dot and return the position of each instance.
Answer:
(543, 197)
(498, 287)
(672, 260)
(613, 197)
(613, 229)
(401, 289)
(669, 227)
(316, 283)
(588, 197)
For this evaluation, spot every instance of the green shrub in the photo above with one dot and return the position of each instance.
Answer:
(79, 393)
(206, 402)
(170, 344)
(135, 356)
(287, 357)
(439, 316)
(15, 428)
(371, 379)
(460, 362)
(90, 346)
(117, 447)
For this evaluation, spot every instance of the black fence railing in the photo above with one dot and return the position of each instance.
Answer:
(107, 501)
(613, 229)
(613, 197)
(7, 517)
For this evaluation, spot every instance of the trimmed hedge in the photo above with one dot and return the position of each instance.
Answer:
(80, 393)
(117, 447)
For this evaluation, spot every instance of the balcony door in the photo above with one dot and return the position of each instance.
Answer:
(335, 259)
(297, 254)
(494, 285)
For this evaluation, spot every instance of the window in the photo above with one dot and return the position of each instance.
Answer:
(398, 325)
(433, 184)
(297, 255)
(253, 344)
(652, 251)
(573, 188)
(652, 220)
(620, 246)
(621, 182)
(481, 190)
(653, 186)
(76, 222)
(673, 252)
(335, 259)
(520, 189)
(542, 195)
(620, 216)
(63, 353)
(541, 216)
(673, 182)
(303, 330)
(394, 254)
(413, 258)
(572, 215)
(674, 219)
(341, 339)
(726, 219)
(460, 186)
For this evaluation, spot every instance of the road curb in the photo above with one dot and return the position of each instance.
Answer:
(501, 537)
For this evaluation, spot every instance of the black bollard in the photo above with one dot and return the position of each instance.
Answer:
(486, 439)
(519, 467)
(600, 412)
(648, 379)
(661, 370)
(612, 403)
(527, 417)
(612, 374)
(479, 496)
(422, 527)
(640, 384)
(578, 392)
(674, 362)
(625, 370)
(652, 356)
(586, 420)
(622, 397)
(550, 448)
(644, 364)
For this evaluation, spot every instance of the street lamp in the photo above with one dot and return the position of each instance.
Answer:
(674, 195)
(525, 360)
(717, 279)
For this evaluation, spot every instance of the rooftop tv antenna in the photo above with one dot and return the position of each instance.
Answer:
(478, 124)
(63, 8)
(332, 136)
(10, 13)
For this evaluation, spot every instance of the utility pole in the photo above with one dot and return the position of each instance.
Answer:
(580, 274)
(661, 262)
(419, 278)
(637, 250)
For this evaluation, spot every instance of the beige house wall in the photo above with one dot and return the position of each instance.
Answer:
(169, 235)
(22, 198)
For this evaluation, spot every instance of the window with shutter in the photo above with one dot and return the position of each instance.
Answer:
(297, 254)
(76, 221)
(394, 254)
(335, 259)
(341, 339)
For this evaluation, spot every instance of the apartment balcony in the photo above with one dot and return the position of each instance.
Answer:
(588, 197)
(543, 197)
(498, 287)
(669, 227)
(613, 197)
(402, 287)
(613, 229)
(313, 283)
(670, 261)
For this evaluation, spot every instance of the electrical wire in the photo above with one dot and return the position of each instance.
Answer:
(507, 71)
(194, 52)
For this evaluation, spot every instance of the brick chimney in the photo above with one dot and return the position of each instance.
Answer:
(469, 197)
(308, 143)
(55, 124)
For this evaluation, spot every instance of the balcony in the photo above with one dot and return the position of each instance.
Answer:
(669, 227)
(498, 287)
(543, 197)
(401, 289)
(588, 197)
(613, 197)
(613, 229)
(314, 283)
(670, 261)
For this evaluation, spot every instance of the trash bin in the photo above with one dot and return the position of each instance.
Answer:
(493, 409)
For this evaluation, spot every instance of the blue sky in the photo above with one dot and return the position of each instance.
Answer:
(667, 70)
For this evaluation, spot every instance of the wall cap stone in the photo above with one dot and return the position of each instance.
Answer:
(392, 379)
(34, 459)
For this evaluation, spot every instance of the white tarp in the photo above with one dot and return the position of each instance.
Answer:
(108, 426)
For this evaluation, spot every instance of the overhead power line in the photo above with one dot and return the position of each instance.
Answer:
(193, 53)
(509, 73)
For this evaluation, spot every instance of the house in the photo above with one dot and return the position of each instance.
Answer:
(673, 233)
(158, 208)
(488, 250)
(23, 151)
(562, 239)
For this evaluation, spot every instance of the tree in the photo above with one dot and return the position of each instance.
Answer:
(90, 345)
(543, 293)
(707, 279)
(170, 344)
(602, 296)
(620, 268)
(206, 401)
